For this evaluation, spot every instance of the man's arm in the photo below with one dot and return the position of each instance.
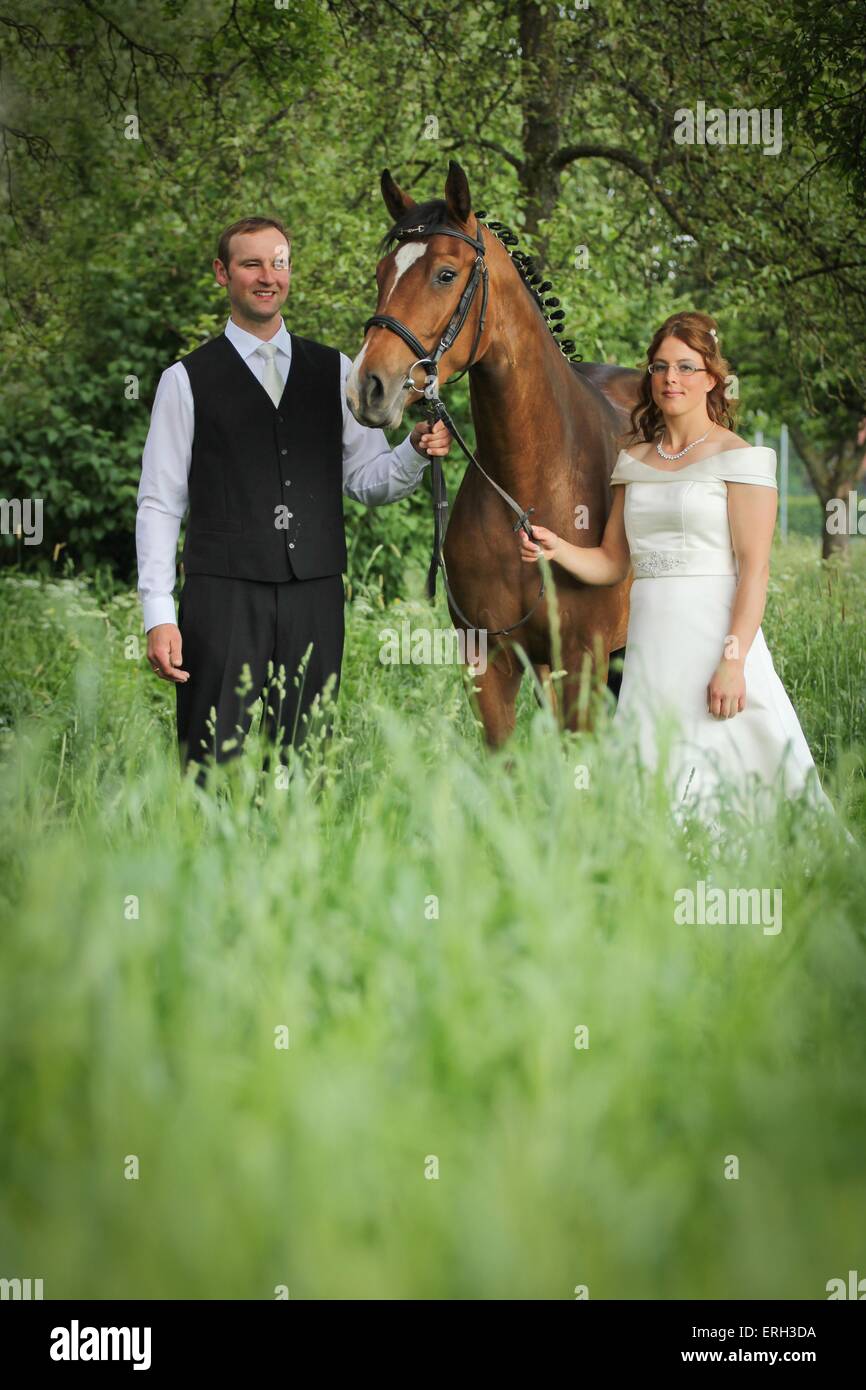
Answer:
(162, 495)
(162, 502)
(373, 472)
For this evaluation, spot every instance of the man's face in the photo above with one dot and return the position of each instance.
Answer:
(258, 274)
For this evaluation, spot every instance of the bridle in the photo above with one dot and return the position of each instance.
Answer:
(436, 409)
(477, 275)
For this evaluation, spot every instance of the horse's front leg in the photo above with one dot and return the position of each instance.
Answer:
(547, 691)
(494, 697)
(586, 676)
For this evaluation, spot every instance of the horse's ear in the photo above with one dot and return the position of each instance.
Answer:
(396, 201)
(457, 192)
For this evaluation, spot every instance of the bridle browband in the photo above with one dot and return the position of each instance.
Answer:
(436, 409)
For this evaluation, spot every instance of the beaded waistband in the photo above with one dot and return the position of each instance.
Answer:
(660, 564)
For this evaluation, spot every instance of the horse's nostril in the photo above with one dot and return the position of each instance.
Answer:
(375, 390)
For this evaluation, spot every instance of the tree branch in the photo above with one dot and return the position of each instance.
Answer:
(510, 158)
(569, 153)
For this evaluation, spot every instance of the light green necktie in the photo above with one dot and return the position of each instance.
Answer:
(271, 379)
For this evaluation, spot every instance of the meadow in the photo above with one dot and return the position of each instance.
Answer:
(417, 1021)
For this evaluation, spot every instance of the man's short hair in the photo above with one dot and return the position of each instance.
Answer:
(249, 224)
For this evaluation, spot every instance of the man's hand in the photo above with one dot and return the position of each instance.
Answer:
(426, 441)
(164, 652)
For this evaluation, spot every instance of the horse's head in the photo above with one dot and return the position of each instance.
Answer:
(425, 284)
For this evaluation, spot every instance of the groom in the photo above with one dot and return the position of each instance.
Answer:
(252, 433)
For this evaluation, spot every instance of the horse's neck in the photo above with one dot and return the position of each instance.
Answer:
(527, 403)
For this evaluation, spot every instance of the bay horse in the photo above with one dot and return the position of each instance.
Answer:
(546, 431)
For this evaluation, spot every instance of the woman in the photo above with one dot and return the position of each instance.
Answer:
(694, 516)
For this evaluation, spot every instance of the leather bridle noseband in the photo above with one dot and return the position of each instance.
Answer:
(436, 409)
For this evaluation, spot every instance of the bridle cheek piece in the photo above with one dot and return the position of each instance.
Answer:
(436, 409)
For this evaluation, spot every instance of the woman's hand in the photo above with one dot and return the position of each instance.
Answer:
(726, 692)
(549, 544)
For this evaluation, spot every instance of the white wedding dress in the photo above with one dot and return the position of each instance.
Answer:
(685, 568)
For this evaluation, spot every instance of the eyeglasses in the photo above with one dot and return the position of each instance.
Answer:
(683, 368)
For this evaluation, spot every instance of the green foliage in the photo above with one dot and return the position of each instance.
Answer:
(150, 1030)
(309, 906)
(249, 108)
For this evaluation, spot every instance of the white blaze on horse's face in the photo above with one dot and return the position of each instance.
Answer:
(352, 396)
(405, 256)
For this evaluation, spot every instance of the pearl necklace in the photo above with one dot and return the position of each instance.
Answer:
(661, 453)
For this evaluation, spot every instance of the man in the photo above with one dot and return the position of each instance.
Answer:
(251, 431)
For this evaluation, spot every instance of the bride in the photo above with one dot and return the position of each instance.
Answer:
(694, 517)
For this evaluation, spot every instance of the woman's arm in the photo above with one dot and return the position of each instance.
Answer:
(607, 563)
(752, 518)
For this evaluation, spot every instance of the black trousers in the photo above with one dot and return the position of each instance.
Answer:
(225, 623)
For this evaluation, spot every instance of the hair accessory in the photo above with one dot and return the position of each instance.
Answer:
(714, 334)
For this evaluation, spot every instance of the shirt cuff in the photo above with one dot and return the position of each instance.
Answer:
(158, 609)
(413, 462)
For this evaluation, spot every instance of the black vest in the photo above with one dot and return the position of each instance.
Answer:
(266, 481)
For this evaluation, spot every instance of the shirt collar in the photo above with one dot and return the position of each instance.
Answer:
(246, 343)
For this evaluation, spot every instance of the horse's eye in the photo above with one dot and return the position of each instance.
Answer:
(446, 276)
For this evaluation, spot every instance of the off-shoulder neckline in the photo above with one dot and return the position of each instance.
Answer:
(740, 449)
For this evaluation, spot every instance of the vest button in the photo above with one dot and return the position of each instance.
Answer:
(291, 545)
(284, 451)
(287, 483)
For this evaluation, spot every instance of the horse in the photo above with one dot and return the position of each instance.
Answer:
(546, 429)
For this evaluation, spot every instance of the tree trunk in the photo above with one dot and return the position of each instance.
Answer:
(831, 473)
(541, 120)
(836, 542)
(833, 543)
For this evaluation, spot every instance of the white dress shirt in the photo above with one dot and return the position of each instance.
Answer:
(373, 473)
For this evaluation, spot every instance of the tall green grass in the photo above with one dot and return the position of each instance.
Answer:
(431, 924)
